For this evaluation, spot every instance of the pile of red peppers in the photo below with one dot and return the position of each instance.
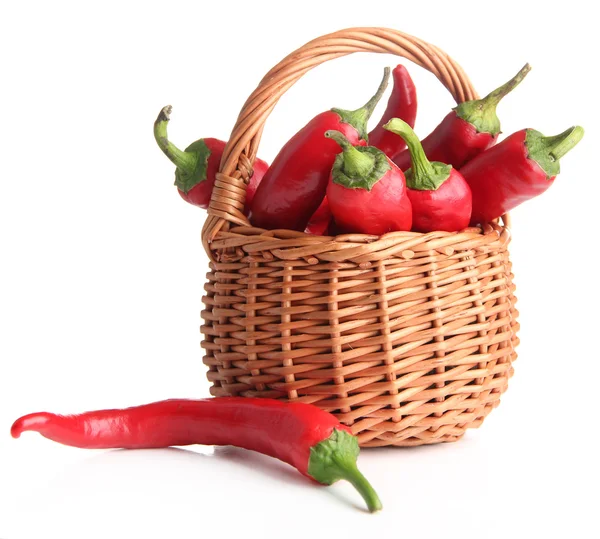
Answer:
(334, 176)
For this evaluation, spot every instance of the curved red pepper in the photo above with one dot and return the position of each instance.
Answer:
(401, 104)
(366, 191)
(308, 438)
(319, 222)
(521, 167)
(439, 195)
(469, 129)
(198, 165)
(295, 184)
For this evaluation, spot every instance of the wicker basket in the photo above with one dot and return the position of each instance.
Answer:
(408, 338)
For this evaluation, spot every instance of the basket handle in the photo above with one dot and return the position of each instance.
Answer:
(228, 195)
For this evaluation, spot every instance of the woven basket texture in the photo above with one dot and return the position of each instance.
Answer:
(408, 338)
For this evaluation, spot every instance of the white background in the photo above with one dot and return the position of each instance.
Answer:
(102, 268)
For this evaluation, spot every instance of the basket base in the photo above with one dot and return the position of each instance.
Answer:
(412, 442)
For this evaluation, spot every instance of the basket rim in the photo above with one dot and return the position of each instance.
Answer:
(242, 241)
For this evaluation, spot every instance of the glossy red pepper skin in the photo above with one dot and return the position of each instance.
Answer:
(439, 195)
(200, 194)
(402, 104)
(511, 173)
(468, 130)
(502, 178)
(295, 184)
(367, 193)
(320, 221)
(259, 169)
(308, 438)
(446, 208)
(454, 142)
(285, 431)
(386, 208)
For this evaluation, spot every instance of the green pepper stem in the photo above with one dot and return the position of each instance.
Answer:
(559, 145)
(547, 151)
(368, 108)
(494, 97)
(353, 475)
(424, 175)
(481, 113)
(184, 161)
(334, 458)
(360, 117)
(356, 164)
(421, 166)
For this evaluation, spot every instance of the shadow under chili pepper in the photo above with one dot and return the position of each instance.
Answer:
(94, 468)
(274, 468)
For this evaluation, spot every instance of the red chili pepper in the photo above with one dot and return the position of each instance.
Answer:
(401, 104)
(295, 184)
(308, 438)
(468, 130)
(198, 165)
(440, 196)
(366, 191)
(519, 168)
(319, 222)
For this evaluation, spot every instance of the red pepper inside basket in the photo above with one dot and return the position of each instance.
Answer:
(440, 196)
(295, 184)
(520, 167)
(308, 438)
(401, 104)
(468, 130)
(367, 192)
(198, 165)
(320, 221)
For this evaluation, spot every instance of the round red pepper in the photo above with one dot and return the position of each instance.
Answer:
(198, 165)
(469, 129)
(440, 196)
(308, 438)
(401, 104)
(295, 184)
(521, 167)
(366, 191)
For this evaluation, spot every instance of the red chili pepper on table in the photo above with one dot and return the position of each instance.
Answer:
(295, 184)
(517, 169)
(469, 129)
(439, 195)
(308, 438)
(366, 191)
(401, 104)
(198, 165)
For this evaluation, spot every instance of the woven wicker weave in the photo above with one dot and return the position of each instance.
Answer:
(407, 338)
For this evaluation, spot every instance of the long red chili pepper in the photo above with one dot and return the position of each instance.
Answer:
(367, 192)
(440, 196)
(401, 104)
(295, 184)
(198, 165)
(308, 438)
(517, 169)
(468, 130)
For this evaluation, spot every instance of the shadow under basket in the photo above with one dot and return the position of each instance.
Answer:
(408, 338)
